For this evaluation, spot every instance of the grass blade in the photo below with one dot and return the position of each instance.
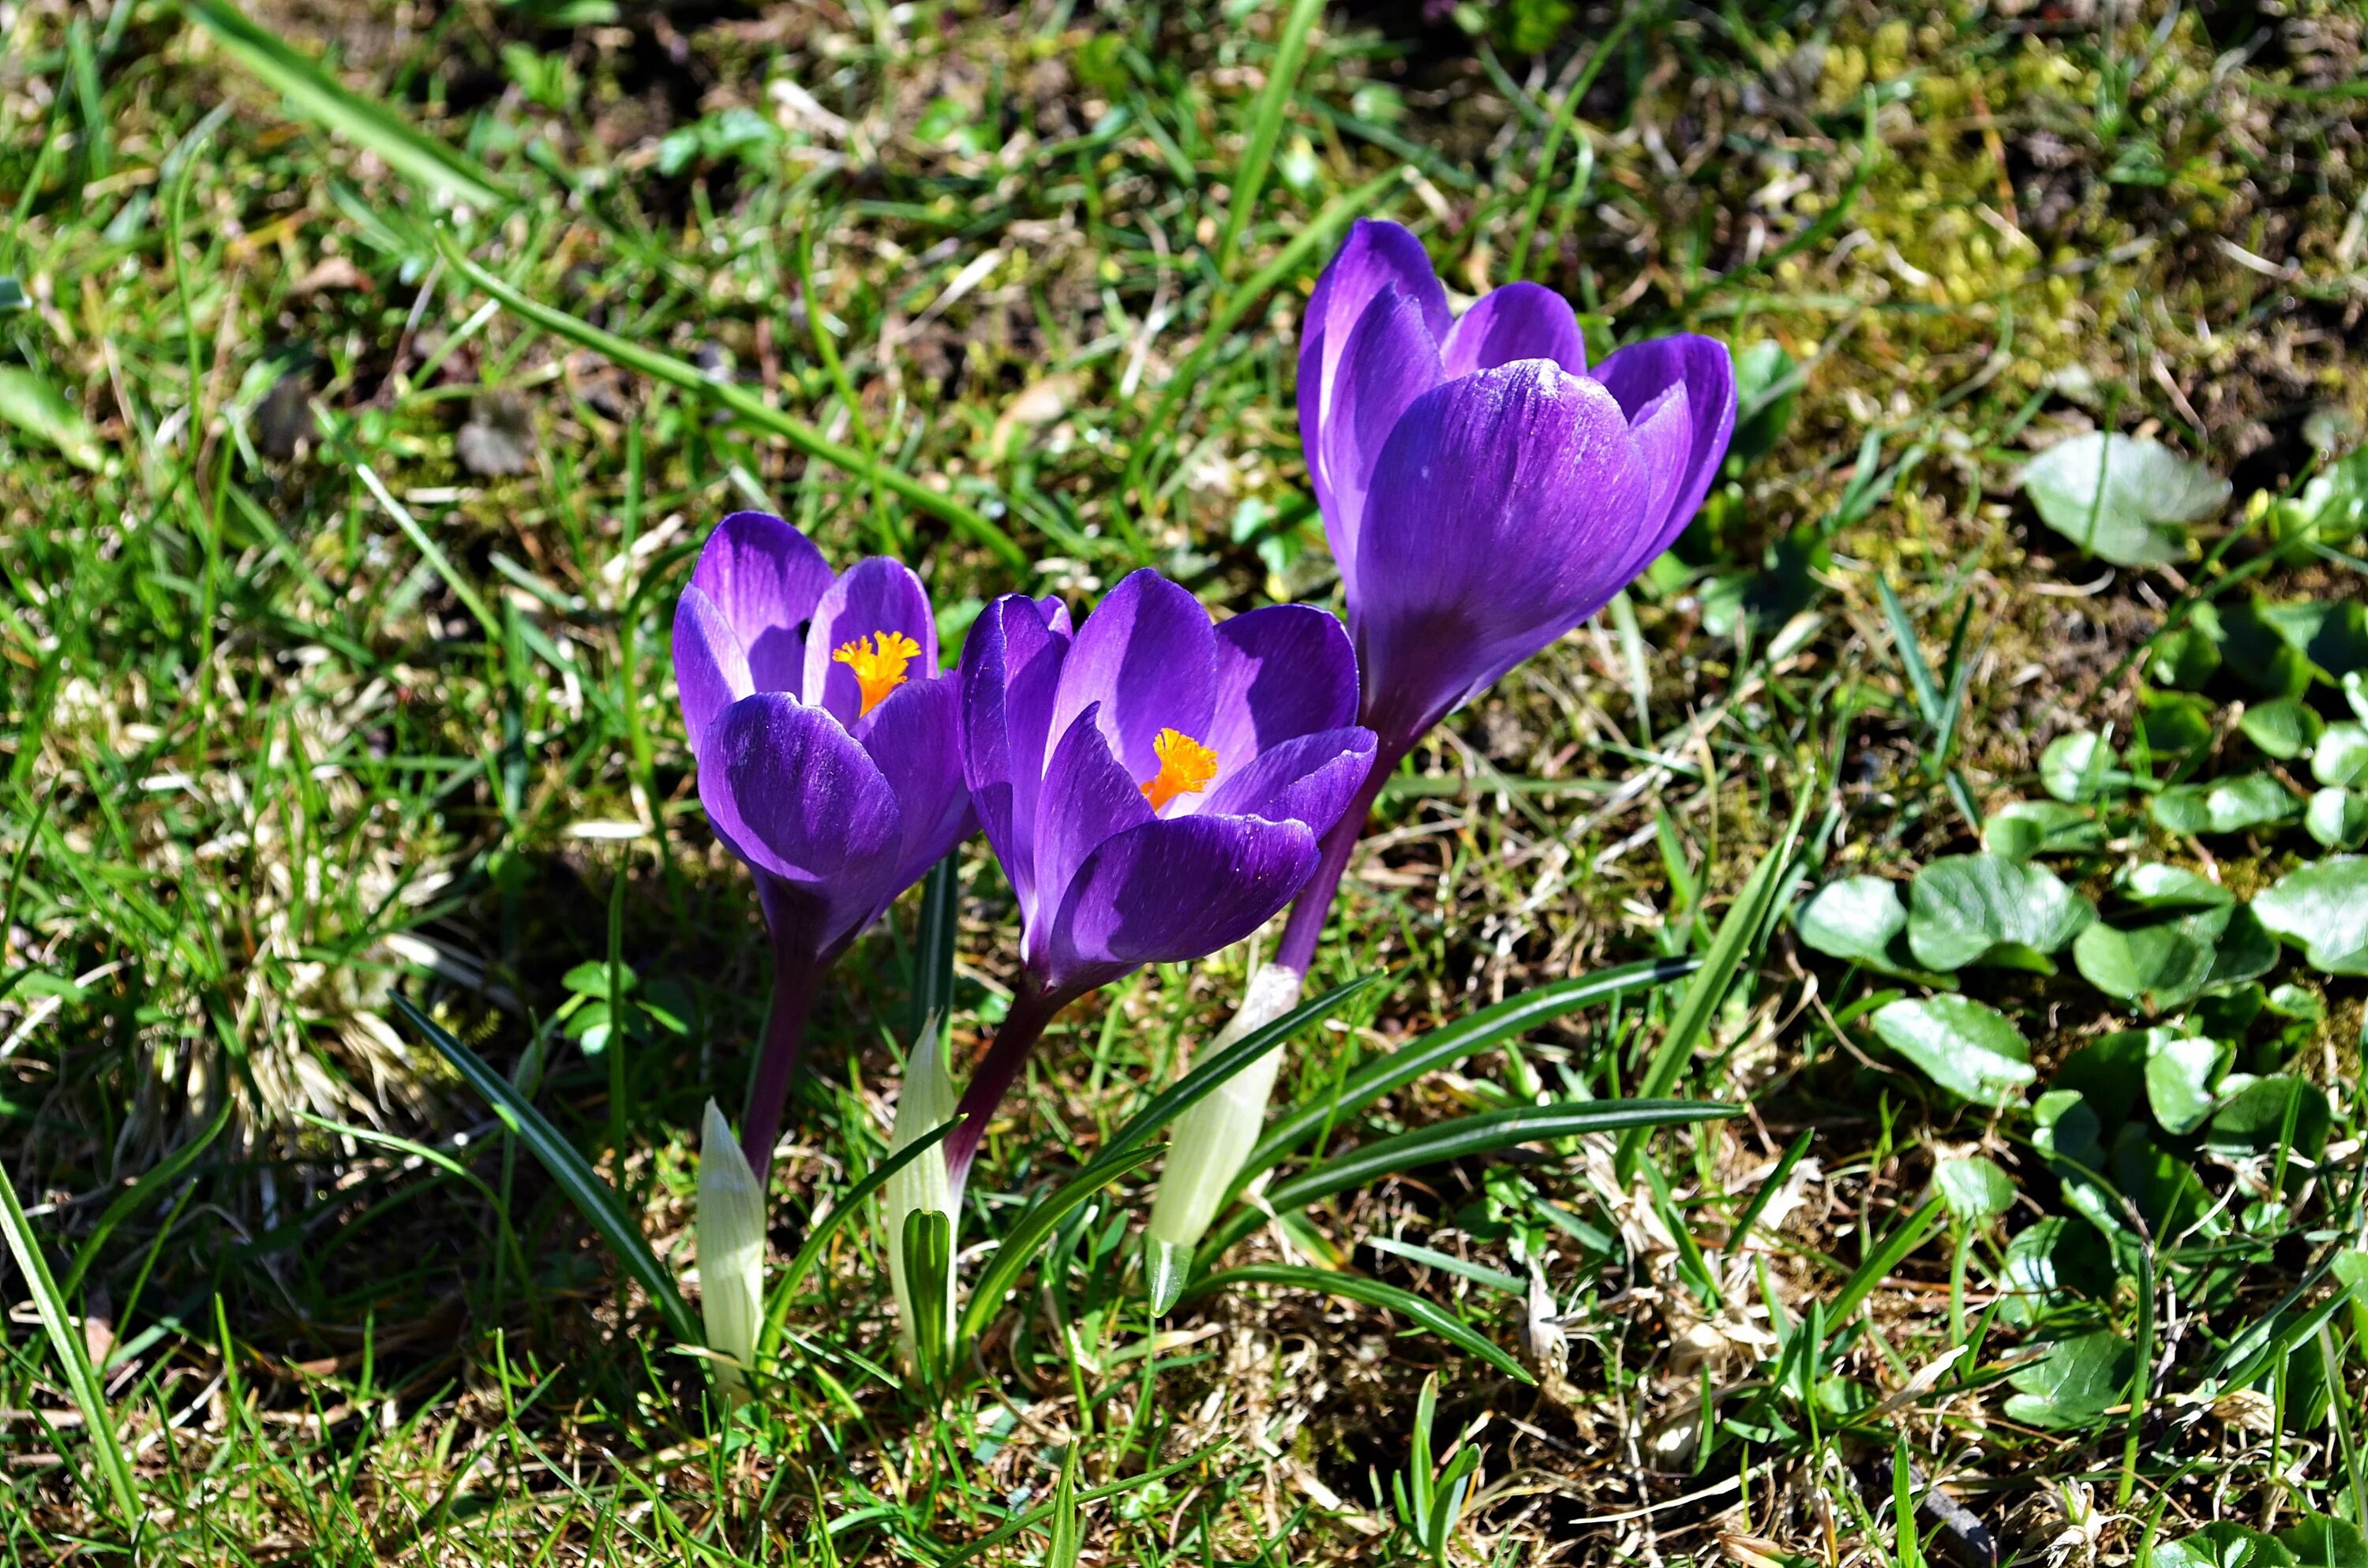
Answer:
(1920, 684)
(741, 403)
(1453, 1140)
(1738, 936)
(1266, 125)
(73, 1356)
(368, 124)
(1374, 1293)
(1447, 1046)
(1061, 1551)
(593, 1197)
(1879, 1262)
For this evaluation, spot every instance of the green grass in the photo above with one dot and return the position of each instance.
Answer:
(308, 706)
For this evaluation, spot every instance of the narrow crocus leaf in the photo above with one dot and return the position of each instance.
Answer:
(1447, 1046)
(730, 1251)
(1374, 1293)
(1454, 1140)
(594, 1198)
(926, 1243)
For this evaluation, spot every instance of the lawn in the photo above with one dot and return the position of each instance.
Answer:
(1966, 814)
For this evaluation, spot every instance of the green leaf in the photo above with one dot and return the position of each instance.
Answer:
(2075, 1383)
(2185, 659)
(1974, 1187)
(2125, 500)
(37, 408)
(1967, 1049)
(1372, 1294)
(2049, 1264)
(73, 1359)
(2323, 909)
(2332, 634)
(594, 1197)
(1962, 907)
(2180, 1074)
(2340, 758)
(2163, 959)
(2319, 1541)
(2079, 767)
(2026, 828)
(1446, 1047)
(1739, 931)
(929, 1264)
(2283, 727)
(318, 97)
(2254, 1119)
(1459, 1138)
(2255, 649)
(1766, 383)
(2224, 1543)
(848, 1206)
(2226, 805)
(1856, 918)
(2337, 819)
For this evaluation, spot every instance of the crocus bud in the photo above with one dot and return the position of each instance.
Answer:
(926, 1103)
(1212, 1139)
(730, 1252)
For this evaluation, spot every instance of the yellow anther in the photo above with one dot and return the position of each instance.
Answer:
(879, 664)
(1185, 769)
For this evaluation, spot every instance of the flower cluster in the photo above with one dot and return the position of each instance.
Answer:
(1157, 785)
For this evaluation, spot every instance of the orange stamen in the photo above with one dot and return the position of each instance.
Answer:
(879, 664)
(1185, 769)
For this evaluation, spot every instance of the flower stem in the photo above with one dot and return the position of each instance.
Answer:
(1030, 1010)
(795, 970)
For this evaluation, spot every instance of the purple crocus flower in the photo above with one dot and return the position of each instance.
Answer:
(1155, 786)
(1484, 493)
(828, 746)
(1483, 490)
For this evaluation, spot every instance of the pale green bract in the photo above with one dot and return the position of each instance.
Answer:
(730, 1251)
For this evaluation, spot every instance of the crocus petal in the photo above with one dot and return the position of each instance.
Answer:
(1010, 670)
(1088, 798)
(876, 595)
(1664, 429)
(1376, 255)
(1389, 359)
(1638, 374)
(1519, 320)
(1309, 778)
(914, 739)
(710, 667)
(1175, 889)
(794, 795)
(1503, 507)
(1281, 671)
(1146, 659)
(766, 578)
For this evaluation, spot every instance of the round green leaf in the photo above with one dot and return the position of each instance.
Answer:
(2185, 659)
(2283, 727)
(2224, 1543)
(2079, 766)
(2049, 1263)
(2125, 500)
(1976, 1190)
(2040, 827)
(2323, 909)
(2163, 957)
(2317, 1542)
(2075, 1383)
(1855, 918)
(1962, 907)
(2253, 1118)
(2227, 805)
(2180, 1074)
(1969, 1050)
(2340, 758)
(2337, 819)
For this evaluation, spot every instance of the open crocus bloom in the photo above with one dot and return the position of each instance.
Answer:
(827, 747)
(1154, 785)
(1484, 492)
